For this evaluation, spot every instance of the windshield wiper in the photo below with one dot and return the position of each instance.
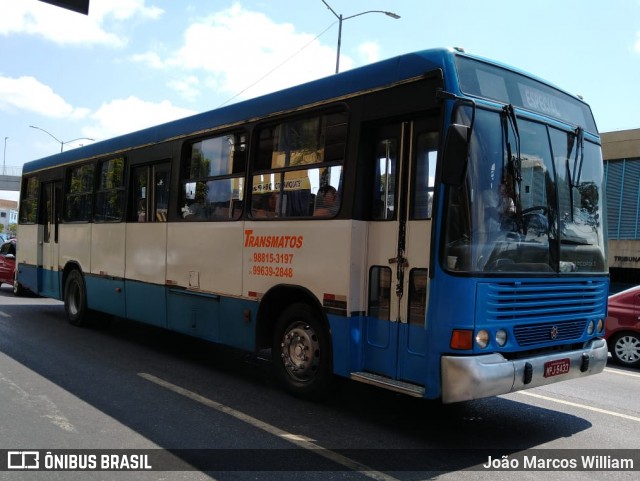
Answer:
(574, 176)
(577, 163)
(515, 161)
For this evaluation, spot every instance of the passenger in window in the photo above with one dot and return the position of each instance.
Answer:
(326, 202)
(269, 207)
(142, 210)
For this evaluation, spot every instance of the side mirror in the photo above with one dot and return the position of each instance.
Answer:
(456, 153)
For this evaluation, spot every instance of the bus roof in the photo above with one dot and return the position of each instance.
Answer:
(362, 79)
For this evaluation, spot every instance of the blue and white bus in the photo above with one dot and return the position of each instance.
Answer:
(431, 224)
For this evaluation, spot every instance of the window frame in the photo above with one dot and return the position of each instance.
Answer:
(86, 195)
(265, 165)
(30, 199)
(237, 171)
(119, 191)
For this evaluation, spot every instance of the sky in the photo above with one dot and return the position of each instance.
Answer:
(131, 64)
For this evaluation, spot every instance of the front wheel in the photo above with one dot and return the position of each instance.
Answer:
(302, 352)
(625, 349)
(75, 299)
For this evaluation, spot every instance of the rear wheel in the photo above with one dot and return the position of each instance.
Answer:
(18, 290)
(302, 352)
(625, 349)
(75, 299)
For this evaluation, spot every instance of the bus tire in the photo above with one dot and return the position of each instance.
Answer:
(302, 354)
(18, 290)
(75, 299)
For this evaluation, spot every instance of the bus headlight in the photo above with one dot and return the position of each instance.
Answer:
(600, 325)
(501, 337)
(591, 327)
(482, 338)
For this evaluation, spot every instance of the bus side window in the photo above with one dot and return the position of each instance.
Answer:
(424, 175)
(79, 193)
(139, 190)
(384, 178)
(212, 178)
(110, 192)
(150, 193)
(380, 292)
(297, 162)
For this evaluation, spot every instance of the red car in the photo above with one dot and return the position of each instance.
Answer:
(7, 261)
(623, 327)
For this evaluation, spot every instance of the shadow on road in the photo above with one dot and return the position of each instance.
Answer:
(101, 365)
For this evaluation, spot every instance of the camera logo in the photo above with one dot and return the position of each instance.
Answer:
(23, 460)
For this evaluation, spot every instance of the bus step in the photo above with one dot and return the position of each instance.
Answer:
(388, 383)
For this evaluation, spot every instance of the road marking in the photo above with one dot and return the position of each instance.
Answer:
(622, 373)
(582, 406)
(4, 314)
(300, 441)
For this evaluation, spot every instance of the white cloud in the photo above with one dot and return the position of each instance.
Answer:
(123, 9)
(370, 51)
(187, 87)
(62, 26)
(28, 94)
(637, 47)
(244, 52)
(122, 116)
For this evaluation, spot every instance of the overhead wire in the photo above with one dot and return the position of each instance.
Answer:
(278, 66)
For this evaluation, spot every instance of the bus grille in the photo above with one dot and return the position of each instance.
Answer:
(547, 332)
(542, 312)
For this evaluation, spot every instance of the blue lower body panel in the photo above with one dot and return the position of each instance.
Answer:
(106, 295)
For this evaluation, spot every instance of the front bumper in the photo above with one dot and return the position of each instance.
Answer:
(474, 377)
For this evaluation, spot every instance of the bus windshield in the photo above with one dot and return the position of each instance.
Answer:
(531, 201)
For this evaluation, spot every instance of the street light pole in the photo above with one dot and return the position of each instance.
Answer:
(58, 140)
(341, 19)
(4, 157)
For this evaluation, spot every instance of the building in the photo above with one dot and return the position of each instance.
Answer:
(621, 153)
(8, 216)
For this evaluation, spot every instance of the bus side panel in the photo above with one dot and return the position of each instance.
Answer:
(146, 252)
(107, 249)
(205, 256)
(28, 276)
(75, 245)
(105, 284)
(145, 268)
(227, 320)
(311, 254)
(27, 256)
(238, 326)
(194, 313)
(49, 281)
(106, 294)
(413, 361)
(359, 275)
(146, 303)
(346, 334)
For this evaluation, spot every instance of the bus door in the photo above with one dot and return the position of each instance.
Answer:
(48, 246)
(398, 248)
(146, 243)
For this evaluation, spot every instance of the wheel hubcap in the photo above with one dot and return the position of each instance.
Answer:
(628, 349)
(300, 351)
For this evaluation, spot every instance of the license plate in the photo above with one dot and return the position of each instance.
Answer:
(555, 368)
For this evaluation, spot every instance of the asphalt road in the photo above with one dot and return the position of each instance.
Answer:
(207, 412)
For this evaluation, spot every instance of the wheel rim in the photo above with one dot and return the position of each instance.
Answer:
(627, 349)
(300, 351)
